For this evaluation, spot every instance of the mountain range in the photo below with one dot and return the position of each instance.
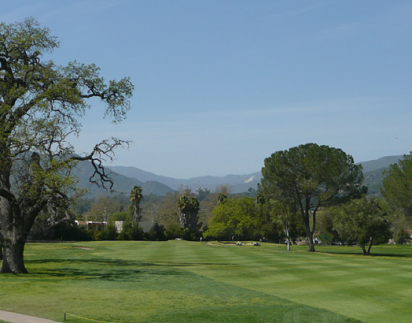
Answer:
(238, 183)
(125, 177)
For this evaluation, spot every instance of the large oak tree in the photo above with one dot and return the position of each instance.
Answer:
(40, 107)
(312, 176)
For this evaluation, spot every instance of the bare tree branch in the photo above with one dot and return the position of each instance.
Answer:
(102, 151)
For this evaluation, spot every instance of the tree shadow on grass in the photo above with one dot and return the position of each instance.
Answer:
(359, 253)
(108, 269)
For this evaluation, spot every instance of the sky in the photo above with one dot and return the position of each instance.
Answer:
(220, 85)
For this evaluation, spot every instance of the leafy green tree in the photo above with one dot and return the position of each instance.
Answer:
(41, 104)
(326, 237)
(397, 185)
(235, 217)
(363, 221)
(312, 176)
(119, 216)
(265, 227)
(285, 215)
(324, 226)
(189, 209)
(282, 211)
(136, 196)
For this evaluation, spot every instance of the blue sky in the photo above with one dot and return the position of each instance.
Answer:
(222, 84)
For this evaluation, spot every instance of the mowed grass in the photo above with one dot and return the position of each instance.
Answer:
(179, 281)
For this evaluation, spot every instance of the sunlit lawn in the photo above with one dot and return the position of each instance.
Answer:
(179, 281)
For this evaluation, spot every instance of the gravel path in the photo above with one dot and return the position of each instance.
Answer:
(20, 318)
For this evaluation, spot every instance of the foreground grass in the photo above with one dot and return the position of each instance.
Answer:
(180, 281)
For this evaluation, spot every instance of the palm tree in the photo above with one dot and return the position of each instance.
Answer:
(189, 209)
(136, 197)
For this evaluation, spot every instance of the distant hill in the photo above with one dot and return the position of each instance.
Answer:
(238, 183)
(122, 184)
(373, 180)
(383, 162)
(373, 171)
(143, 176)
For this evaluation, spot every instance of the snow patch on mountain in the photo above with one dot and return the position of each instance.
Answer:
(250, 179)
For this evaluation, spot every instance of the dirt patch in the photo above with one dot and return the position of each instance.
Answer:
(228, 244)
(83, 248)
(217, 244)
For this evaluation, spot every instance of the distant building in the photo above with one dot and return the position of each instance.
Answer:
(146, 226)
(91, 225)
(119, 226)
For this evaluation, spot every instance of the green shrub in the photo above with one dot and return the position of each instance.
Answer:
(174, 231)
(401, 236)
(131, 232)
(157, 233)
(68, 232)
(109, 232)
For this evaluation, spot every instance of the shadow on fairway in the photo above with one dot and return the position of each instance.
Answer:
(364, 256)
(108, 269)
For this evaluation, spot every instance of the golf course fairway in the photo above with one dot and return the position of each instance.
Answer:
(180, 281)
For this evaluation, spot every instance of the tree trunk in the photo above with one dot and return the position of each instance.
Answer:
(364, 251)
(13, 261)
(309, 232)
(184, 220)
(1, 246)
(286, 231)
(370, 246)
(312, 232)
(311, 243)
(135, 213)
(15, 228)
